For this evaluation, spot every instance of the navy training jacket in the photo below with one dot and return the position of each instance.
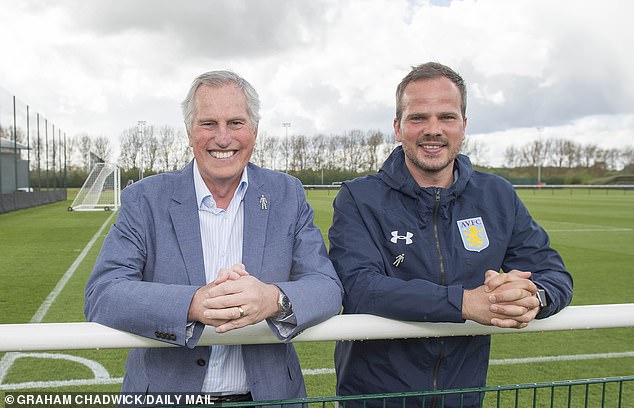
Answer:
(407, 253)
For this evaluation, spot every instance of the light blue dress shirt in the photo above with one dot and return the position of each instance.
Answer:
(221, 233)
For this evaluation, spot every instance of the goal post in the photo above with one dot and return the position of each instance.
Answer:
(101, 190)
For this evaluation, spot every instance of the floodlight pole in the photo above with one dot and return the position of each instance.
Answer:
(286, 126)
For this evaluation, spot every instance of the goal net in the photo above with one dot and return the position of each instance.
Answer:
(101, 190)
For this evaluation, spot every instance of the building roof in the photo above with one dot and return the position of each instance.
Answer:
(8, 144)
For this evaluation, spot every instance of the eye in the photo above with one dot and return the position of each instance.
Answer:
(416, 118)
(236, 124)
(207, 124)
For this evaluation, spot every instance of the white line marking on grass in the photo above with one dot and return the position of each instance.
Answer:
(591, 230)
(41, 312)
(57, 384)
(571, 357)
(8, 359)
(316, 371)
(97, 369)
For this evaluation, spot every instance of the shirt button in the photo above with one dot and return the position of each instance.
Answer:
(201, 362)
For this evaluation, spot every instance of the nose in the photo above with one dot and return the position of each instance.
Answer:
(433, 127)
(223, 136)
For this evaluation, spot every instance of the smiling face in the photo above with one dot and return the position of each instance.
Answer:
(222, 136)
(431, 130)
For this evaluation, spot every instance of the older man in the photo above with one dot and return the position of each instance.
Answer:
(222, 243)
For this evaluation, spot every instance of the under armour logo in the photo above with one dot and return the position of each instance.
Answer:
(407, 237)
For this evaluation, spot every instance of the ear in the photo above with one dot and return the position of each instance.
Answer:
(189, 137)
(397, 129)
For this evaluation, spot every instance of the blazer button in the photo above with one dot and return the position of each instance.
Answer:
(172, 337)
(201, 362)
(157, 334)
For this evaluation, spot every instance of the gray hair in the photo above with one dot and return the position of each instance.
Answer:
(430, 70)
(217, 79)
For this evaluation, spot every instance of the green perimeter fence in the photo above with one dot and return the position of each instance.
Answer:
(597, 392)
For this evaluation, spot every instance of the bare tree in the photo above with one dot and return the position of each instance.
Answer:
(72, 145)
(334, 144)
(317, 146)
(182, 152)
(150, 148)
(85, 146)
(588, 155)
(473, 148)
(101, 147)
(298, 152)
(627, 157)
(512, 157)
(271, 149)
(130, 148)
(259, 155)
(374, 140)
(166, 145)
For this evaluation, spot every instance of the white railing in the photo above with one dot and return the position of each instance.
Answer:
(70, 336)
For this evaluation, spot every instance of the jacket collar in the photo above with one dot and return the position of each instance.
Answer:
(394, 173)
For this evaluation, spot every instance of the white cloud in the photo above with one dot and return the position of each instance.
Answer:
(325, 66)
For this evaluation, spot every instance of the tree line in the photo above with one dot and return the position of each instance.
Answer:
(154, 149)
(563, 153)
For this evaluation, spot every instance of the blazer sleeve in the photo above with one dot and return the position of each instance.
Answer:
(313, 287)
(121, 293)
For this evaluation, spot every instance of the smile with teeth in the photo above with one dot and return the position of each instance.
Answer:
(222, 154)
(431, 148)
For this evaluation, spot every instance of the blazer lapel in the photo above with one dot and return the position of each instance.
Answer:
(256, 216)
(184, 213)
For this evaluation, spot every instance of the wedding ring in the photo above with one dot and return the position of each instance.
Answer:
(241, 310)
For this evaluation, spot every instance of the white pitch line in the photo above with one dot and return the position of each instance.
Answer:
(570, 357)
(591, 230)
(318, 371)
(41, 312)
(8, 358)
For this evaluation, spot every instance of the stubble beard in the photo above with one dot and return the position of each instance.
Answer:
(431, 165)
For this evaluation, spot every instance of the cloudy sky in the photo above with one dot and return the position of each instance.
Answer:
(327, 66)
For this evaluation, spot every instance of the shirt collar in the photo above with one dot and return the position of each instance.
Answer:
(202, 191)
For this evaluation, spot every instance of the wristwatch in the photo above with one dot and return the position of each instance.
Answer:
(284, 305)
(541, 296)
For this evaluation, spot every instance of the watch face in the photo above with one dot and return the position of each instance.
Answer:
(541, 296)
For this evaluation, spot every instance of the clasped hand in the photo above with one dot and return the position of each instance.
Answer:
(235, 299)
(504, 300)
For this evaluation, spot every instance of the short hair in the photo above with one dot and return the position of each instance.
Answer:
(217, 79)
(430, 70)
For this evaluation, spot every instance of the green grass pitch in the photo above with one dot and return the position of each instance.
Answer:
(594, 232)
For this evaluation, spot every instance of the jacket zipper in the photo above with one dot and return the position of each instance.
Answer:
(441, 354)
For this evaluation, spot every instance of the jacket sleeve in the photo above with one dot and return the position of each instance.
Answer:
(368, 286)
(118, 293)
(530, 250)
(313, 287)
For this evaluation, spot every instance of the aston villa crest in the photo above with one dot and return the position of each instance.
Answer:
(473, 234)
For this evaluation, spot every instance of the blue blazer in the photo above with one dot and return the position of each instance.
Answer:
(151, 263)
